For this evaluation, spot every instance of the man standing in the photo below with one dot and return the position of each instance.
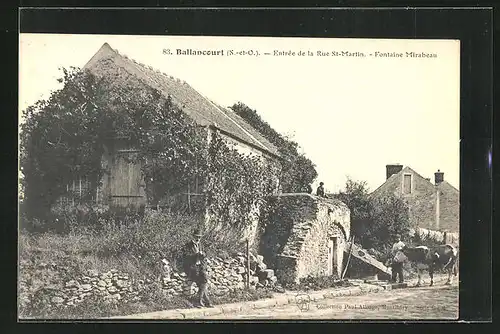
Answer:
(195, 267)
(191, 251)
(398, 259)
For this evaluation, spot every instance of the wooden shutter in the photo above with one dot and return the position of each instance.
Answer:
(407, 184)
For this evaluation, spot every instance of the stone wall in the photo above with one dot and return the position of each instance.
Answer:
(449, 207)
(297, 236)
(63, 285)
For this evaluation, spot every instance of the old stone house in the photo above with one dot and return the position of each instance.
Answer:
(306, 236)
(123, 185)
(433, 206)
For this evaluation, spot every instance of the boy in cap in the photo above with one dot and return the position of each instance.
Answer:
(195, 267)
(201, 280)
(191, 252)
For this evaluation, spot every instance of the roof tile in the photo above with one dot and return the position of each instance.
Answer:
(108, 61)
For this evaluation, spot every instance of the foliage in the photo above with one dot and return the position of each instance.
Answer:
(132, 243)
(389, 216)
(298, 172)
(236, 184)
(276, 224)
(156, 236)
(67, 135)
(355, 196)
(375, 221)
(55, 145)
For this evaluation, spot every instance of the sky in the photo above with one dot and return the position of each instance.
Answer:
(350, 115)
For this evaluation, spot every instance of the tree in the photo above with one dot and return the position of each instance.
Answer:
(375, 221)
(388, 216)
(355, 196)
(297, 171)
(55, 145)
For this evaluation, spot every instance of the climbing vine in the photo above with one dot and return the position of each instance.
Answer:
(237, 184)
(297, 172)
(67, 135)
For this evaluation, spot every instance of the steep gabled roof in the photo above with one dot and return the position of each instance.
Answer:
(392, 181)
(395, 178)
(108, 61)
(447, 187)
(423, 201)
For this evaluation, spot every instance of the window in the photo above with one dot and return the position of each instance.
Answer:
(407, 184)
(77, 190)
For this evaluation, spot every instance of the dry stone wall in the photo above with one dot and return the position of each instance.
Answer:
(63, 286)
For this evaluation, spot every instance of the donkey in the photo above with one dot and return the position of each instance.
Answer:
(442, 257)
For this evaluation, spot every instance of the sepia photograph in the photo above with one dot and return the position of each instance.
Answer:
(250, 178)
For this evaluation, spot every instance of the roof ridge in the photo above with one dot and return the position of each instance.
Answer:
(192, 102)
(144, 68)
(449, 184)
(153, 69)
(386, 180)
(221, 110)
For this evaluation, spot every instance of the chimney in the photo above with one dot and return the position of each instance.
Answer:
(393, 169)
(438, 177)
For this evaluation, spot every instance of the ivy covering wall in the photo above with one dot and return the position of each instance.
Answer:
(298, 172)
(66, 134)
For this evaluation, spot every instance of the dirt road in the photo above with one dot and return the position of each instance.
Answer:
(438, 302)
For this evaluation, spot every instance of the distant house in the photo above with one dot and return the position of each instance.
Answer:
(122, 184)
(433, 206)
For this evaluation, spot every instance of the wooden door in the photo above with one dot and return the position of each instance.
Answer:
(126, 186)
(333, 242)
(332, 256)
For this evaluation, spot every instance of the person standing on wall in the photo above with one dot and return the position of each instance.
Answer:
(321, 190)
(398, 259)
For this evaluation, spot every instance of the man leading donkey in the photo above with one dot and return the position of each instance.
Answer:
(398, 259)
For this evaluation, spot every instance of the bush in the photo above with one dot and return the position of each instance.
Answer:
(150, 238)
(375, 221)
(128, 239)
